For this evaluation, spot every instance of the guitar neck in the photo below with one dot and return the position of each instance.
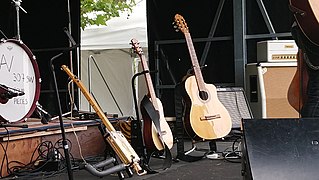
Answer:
(196, 66)
(91, 100)
(149, 83)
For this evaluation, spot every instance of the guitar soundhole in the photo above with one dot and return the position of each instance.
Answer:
(203, 95)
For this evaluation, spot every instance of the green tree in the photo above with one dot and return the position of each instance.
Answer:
(98, 12)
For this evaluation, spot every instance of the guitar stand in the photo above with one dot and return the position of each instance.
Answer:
(137, 140)
(212, 147)
(95, 168)
(117, 167)
(179, 128)
(211, 151)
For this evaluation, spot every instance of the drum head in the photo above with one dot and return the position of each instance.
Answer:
(18, 70)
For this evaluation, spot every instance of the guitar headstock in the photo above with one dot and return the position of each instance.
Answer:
(181, 23)
(136, 46)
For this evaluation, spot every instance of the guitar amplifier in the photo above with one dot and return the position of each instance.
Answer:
(277, 51)
(267, 87)
(235, 101)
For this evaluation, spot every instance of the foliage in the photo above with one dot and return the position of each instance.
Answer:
(98, 12)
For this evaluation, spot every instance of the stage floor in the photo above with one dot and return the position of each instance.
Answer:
(218, 169)
(205, 168)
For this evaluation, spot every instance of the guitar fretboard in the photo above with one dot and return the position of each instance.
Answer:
(196, 67)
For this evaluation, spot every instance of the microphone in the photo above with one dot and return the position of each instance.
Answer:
(10, 94)
(66, 31)
(6, 93)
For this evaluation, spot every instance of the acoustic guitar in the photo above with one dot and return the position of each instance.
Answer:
(306, 13)
(157, 132)
(208, 118)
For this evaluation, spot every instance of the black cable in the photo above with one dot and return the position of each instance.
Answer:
(32, 170)
(234, 153)
(44, 149)
(31, 167)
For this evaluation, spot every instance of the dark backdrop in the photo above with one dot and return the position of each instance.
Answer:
(173, 58)
(42, 30)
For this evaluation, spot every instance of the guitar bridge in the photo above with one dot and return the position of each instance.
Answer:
(163, 132)
(206, 118)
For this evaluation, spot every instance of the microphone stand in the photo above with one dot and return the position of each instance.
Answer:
(17, 4)
(64, 142)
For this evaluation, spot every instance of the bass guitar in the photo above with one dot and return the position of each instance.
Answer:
(306, 13)
(157, 132)
(207, 117)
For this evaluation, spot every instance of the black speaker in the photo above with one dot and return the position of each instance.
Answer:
(280, 148)
(235, 101)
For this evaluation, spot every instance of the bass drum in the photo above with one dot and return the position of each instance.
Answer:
(18, 70)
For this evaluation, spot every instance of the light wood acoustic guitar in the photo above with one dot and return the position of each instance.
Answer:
(208, 117)
(157, 132)
(306, 13)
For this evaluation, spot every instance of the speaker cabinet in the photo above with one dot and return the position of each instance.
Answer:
(235, 101)
(286, 148)
(266, 88)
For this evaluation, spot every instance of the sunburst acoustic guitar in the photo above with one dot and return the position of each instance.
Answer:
(207, 117)
(157, 132)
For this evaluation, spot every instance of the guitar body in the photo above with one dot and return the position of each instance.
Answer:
(297, 90)
(208, 119)
(152, 140)
(306, 13)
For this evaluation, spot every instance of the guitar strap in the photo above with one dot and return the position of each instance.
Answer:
(179, 127)
(154, 115)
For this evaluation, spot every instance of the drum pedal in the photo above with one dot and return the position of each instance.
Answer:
(43, 115)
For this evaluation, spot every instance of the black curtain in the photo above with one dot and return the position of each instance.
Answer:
(199, 16)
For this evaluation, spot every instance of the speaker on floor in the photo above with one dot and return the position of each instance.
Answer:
(267, 87)
(235, 101)
(286, 148)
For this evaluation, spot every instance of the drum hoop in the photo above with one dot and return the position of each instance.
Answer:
(37, 77)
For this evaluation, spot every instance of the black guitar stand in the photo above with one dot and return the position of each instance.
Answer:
(137, 137)
(179, 127)
(148, 108)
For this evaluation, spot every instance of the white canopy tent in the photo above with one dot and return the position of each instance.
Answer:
(108, 63)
